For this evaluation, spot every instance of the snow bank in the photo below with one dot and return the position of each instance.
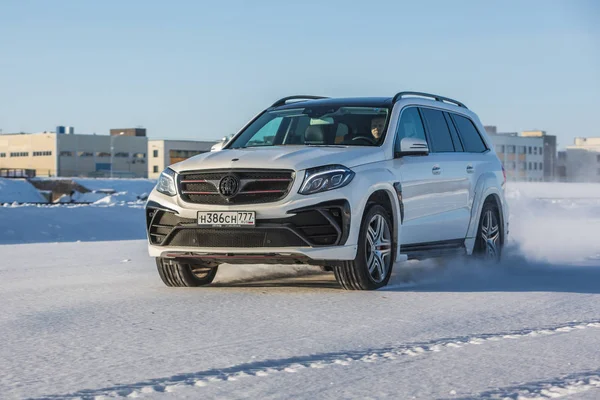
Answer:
(118, 198)
(103, 191)
(88, 197)
(19, 191)
(135, 187)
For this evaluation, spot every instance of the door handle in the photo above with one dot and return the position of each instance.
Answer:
(436, 170)
(470, 169)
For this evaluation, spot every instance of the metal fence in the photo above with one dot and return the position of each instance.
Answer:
(17, 173)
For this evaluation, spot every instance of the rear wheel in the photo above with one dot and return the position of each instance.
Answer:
(372, 267)
(488, 243)
(181, 274)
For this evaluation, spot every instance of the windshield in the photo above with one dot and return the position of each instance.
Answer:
(318, 126)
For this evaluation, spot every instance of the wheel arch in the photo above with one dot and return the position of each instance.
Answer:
(494, 198)
(372, 181)
(388, 198)
(486, 190)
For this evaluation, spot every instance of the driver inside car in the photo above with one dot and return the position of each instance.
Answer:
(377, 125)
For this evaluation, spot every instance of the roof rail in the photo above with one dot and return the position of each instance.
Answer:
(436, 97)
(283, 101)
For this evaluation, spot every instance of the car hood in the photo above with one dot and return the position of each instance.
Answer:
(282, 157)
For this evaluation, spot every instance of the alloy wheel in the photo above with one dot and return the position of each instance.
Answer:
(490, 233)
(379, 248)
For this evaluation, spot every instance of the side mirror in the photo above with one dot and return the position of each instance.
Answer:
(218, 146)
(412, 147)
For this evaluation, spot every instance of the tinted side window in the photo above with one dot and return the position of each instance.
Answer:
(439, 135)
(469, 135)
(410, 126)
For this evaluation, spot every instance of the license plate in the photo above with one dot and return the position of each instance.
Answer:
(226, 218)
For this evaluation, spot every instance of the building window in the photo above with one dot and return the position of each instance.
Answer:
(541, 151)
(511, 149)
(20, 154)
(155, 168)
(541, 166)
(530, 166)
(2, 155)
(522, 150)
(85, 154)
(535, 166)
(102, 154)
(42, 153)
(535, 150)
(66, 154)
(523, 166)
(154, 154)
(529, 149)
(138, 158)
(122, 154)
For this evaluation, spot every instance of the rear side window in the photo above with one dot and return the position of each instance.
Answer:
(454, 133)
(410, 126)
(468, 133)
(439, 134)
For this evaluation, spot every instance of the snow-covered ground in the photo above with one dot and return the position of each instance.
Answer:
(71, 222)
(116, 216)
(93, 320)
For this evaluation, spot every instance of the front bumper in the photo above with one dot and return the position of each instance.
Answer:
(318, 232)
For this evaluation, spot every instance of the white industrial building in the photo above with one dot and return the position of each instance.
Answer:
(70, 154)
(583, 160)
(125, 152)
(522, 157)
(162, 153)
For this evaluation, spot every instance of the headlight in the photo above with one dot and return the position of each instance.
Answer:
(325, 178)
(166, 183)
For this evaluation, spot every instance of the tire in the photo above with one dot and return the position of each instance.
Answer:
(372, 267)
(489, 243)
(178, 274)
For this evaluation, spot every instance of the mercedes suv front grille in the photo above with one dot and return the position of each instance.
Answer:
(223, 187)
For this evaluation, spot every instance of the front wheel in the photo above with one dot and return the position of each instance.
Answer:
(181, 274)
(372, 267)
(488, 243)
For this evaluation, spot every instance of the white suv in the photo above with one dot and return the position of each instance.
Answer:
(353, 185)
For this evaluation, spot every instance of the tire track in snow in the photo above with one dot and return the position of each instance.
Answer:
(323, 360)
(545, 389)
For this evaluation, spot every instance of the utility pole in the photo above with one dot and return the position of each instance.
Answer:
(112, 150)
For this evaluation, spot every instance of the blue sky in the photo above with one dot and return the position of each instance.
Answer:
(199, 69)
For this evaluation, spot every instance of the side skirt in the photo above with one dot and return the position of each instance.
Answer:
(445, 248)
